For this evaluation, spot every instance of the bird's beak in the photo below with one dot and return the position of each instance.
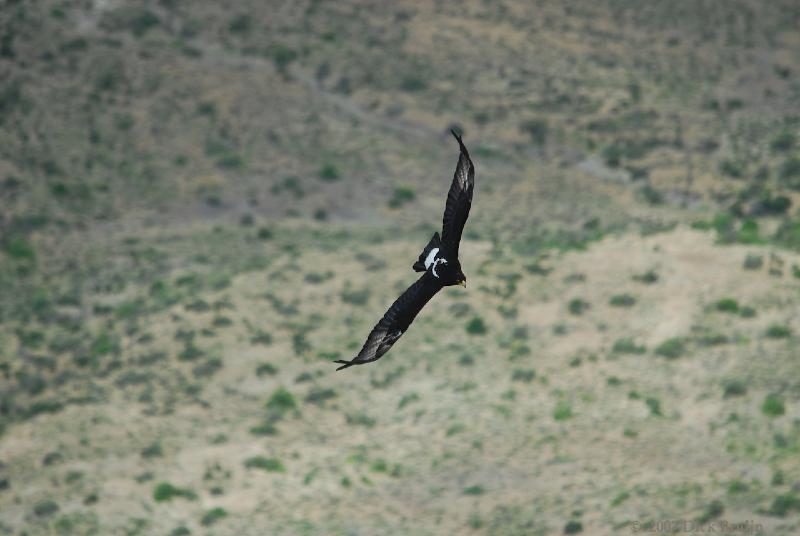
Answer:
(463, 283)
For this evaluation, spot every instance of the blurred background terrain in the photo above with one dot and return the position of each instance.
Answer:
(203, 204)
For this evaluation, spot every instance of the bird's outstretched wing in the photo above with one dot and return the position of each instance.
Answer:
(459, 201)
(396, 320)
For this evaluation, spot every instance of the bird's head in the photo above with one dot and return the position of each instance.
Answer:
(451, 274)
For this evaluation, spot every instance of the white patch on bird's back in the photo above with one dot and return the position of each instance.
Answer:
(435, 264)
(431, 256)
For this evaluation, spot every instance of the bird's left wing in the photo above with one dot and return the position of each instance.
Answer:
(396, 320)
(459, 200)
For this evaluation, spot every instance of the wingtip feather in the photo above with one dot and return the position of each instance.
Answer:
(345, 363)
(460, 143)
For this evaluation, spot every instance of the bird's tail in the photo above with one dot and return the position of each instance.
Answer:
(434, 243)
(345, 363)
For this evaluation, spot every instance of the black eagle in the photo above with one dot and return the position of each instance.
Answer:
(439, 262)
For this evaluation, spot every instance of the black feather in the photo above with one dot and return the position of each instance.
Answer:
(459, 201)
(396, 320)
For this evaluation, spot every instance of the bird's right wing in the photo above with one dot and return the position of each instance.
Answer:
(459, 201)
(396, 320)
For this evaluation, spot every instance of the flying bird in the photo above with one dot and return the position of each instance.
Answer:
(439, 262)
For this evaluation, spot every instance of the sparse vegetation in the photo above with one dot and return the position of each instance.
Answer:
(562, 411)
(628, 346)
(648, 278)
(577, 306)
(281, 401)
(672, 348)
(203, 206)
(213, 516)
(271, 465)
(779, 331)
(476, 326)
(622, 300)
(727, 305)
(773, 405)
(329, 173)
(166, 492)
(401, 196)
(733, 388)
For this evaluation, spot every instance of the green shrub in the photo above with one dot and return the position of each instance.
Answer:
(266, 369)
(784, 504)
(788, 234)
(401, 196)
(272, 465)
(476, 326)
(282, 56)
(790, 169)
(620, 498)
(221, 322)
(261, 337)
(264, 429)
(777, 205)
(648, 278)
(329, 173)
(537, 129)
(627, 346)
(213, 515)
(779, 331)
(727, 305)
(622, 300)
(651, 195)
(413, 84)
(578, 306)
(320, 395)
(474, 490)
(264, 233)
(713, 510)
(208, 368)
(778, 478)
(360, 419)
(166, 492)
(281, 401)
(45, 508)
(136, 20)
(240, 24)
(523, 375)
(773, 405)
(783, 141)
(731, 168)
(355, 297)
(104, 344)
(407, 399)
(753, 262)
(154, 450)
(454, 429)
(612, 155)
(655, 406)
(671, 348)
(43, 406)
(747, 312)
(562, 411)
(20, 249)
(300, 344)
(190, 352)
